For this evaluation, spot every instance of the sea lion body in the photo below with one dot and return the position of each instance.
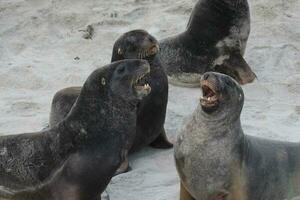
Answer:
(216, 160)
(151, 111)
(215, 40)
(77, 158)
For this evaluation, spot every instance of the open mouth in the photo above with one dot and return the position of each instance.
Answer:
(141, 86)
(152, 51)
(210, 98)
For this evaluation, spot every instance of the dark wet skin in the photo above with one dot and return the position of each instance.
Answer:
(151, 110)
(75, 159)
(217, 161)
(208, 43)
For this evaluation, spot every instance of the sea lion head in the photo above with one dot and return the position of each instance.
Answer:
(128, 79)
(135, 44)
(237, 68)
(122, 80)
(222, 95)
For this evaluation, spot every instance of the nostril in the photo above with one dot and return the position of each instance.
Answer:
(205, 76)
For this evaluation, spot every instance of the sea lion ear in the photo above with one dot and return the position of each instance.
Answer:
(120, 52)
(103, 81)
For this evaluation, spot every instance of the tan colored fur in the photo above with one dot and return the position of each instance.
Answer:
(238, 188)
(184, 194)
(296, 182)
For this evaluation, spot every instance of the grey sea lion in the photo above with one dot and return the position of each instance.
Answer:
(76, 159)
(215, 40)
(217, 161)
(151, 111)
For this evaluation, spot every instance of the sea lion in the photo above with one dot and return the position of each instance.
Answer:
(215, 40)
(77, 158)
(216, 161)
(151, 112)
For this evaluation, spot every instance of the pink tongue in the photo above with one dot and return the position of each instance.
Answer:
(210, 94)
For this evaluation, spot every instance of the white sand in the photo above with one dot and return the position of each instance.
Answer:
(39, 40)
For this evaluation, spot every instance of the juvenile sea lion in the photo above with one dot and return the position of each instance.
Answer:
(76, 159)
(216, 161)
(215, 40)
(151, 110)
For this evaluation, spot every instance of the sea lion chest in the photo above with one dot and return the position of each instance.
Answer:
(205, 164)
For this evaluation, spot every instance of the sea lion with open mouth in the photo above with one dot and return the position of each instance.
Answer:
(216, 161)
(75, 159)
(152, 109)
(215, 40)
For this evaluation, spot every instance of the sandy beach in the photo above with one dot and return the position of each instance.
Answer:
(42, 50)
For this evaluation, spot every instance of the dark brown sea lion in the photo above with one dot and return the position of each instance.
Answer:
(76, 159)
(152, 109)
(215, 40)
(216, 161)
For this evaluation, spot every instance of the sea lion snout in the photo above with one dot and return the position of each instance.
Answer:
(128, 79)
(210, 90)
(248, 77)
(149, 46)
(219, 91)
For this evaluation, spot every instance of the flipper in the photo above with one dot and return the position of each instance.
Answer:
(184, 194)
(236, 67)
(161, 142)
(124, 167)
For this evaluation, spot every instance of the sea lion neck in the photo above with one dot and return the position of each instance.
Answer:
(216, 124)
(91, 114)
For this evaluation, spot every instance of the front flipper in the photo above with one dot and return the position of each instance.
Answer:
(184, 194)
(161, 142)
(124, 167)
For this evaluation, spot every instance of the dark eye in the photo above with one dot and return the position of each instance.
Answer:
(121, 69)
